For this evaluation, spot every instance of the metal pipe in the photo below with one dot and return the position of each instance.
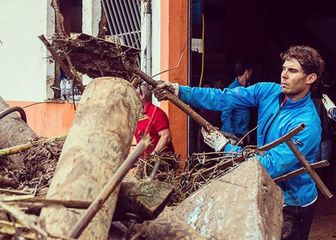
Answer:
(14, 109)
(149, 38)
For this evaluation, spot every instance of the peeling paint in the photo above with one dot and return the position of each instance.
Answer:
(194, 215)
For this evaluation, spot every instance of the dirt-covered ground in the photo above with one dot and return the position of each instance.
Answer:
(324, 223)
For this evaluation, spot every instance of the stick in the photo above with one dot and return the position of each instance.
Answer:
(62, 64)
(78, 204)
(2, 190)
(299, 171)
(321, 186)
(174, 99)
(97, 204)
(284, 138)
(26, 146)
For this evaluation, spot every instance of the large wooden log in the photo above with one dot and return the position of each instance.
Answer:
(97, 143)
(14, 131)
(243, 204)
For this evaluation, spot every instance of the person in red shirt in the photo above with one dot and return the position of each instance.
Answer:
(154, 121)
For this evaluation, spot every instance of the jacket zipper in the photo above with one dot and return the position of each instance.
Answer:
(269, 126)
(281, 104)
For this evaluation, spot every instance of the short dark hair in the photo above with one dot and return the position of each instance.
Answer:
(308, 57)
(241, 66)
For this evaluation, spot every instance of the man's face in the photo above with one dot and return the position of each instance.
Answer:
(144, 91)
(294, 82)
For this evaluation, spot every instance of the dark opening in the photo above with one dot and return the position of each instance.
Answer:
(257, 30)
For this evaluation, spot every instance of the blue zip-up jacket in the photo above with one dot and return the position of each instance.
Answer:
(274, 121)
(235, 120)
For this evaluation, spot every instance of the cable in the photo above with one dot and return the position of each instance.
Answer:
(203, 52)
(14, 109)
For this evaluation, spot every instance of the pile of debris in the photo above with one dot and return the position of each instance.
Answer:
(212, 197)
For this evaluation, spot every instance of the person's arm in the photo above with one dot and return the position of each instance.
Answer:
(217, 100)
(281, 159)
(165, 138)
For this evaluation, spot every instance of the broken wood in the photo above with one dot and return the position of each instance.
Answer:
(299, 171)
(108, 189)
(97, 143)
(63, 64)
(26, 146)
(85, 53)
(42, 202)
(321, 186)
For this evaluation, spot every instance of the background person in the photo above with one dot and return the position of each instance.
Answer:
(154, 121)
(236, 120)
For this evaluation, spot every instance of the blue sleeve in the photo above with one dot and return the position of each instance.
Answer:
(280, 159)
(216, 99)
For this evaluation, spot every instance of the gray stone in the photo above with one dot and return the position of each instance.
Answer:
(243, 204)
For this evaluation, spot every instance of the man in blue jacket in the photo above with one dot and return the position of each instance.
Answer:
(281, 108)
(236, 120)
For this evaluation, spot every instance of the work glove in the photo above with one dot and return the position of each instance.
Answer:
(162, 89)
(214, 139)
(328, 104)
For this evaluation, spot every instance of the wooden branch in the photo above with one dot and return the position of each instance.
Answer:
(180, 104)
(62, 64)
(299, 171)
(77, 204)
(109, 187)
(284, 138)
(8, 191)
(321, 186)
(59, 20)
(26, 146)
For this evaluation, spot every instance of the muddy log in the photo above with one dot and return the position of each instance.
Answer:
(14, 131)
(97, 143)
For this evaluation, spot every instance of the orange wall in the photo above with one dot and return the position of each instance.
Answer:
(174, 42)
(48, 119)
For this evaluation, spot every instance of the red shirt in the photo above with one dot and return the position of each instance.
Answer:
(155, 121)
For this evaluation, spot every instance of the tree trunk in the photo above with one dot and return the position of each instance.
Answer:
(14, 131)
(97, 143)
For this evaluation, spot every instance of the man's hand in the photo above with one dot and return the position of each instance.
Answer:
(328, 104)
(214, 139)
(162, 89)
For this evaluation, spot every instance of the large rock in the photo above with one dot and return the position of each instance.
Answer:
(243, 204)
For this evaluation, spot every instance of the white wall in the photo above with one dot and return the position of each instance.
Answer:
(23, 67)
(156, 37)
(91, 16)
